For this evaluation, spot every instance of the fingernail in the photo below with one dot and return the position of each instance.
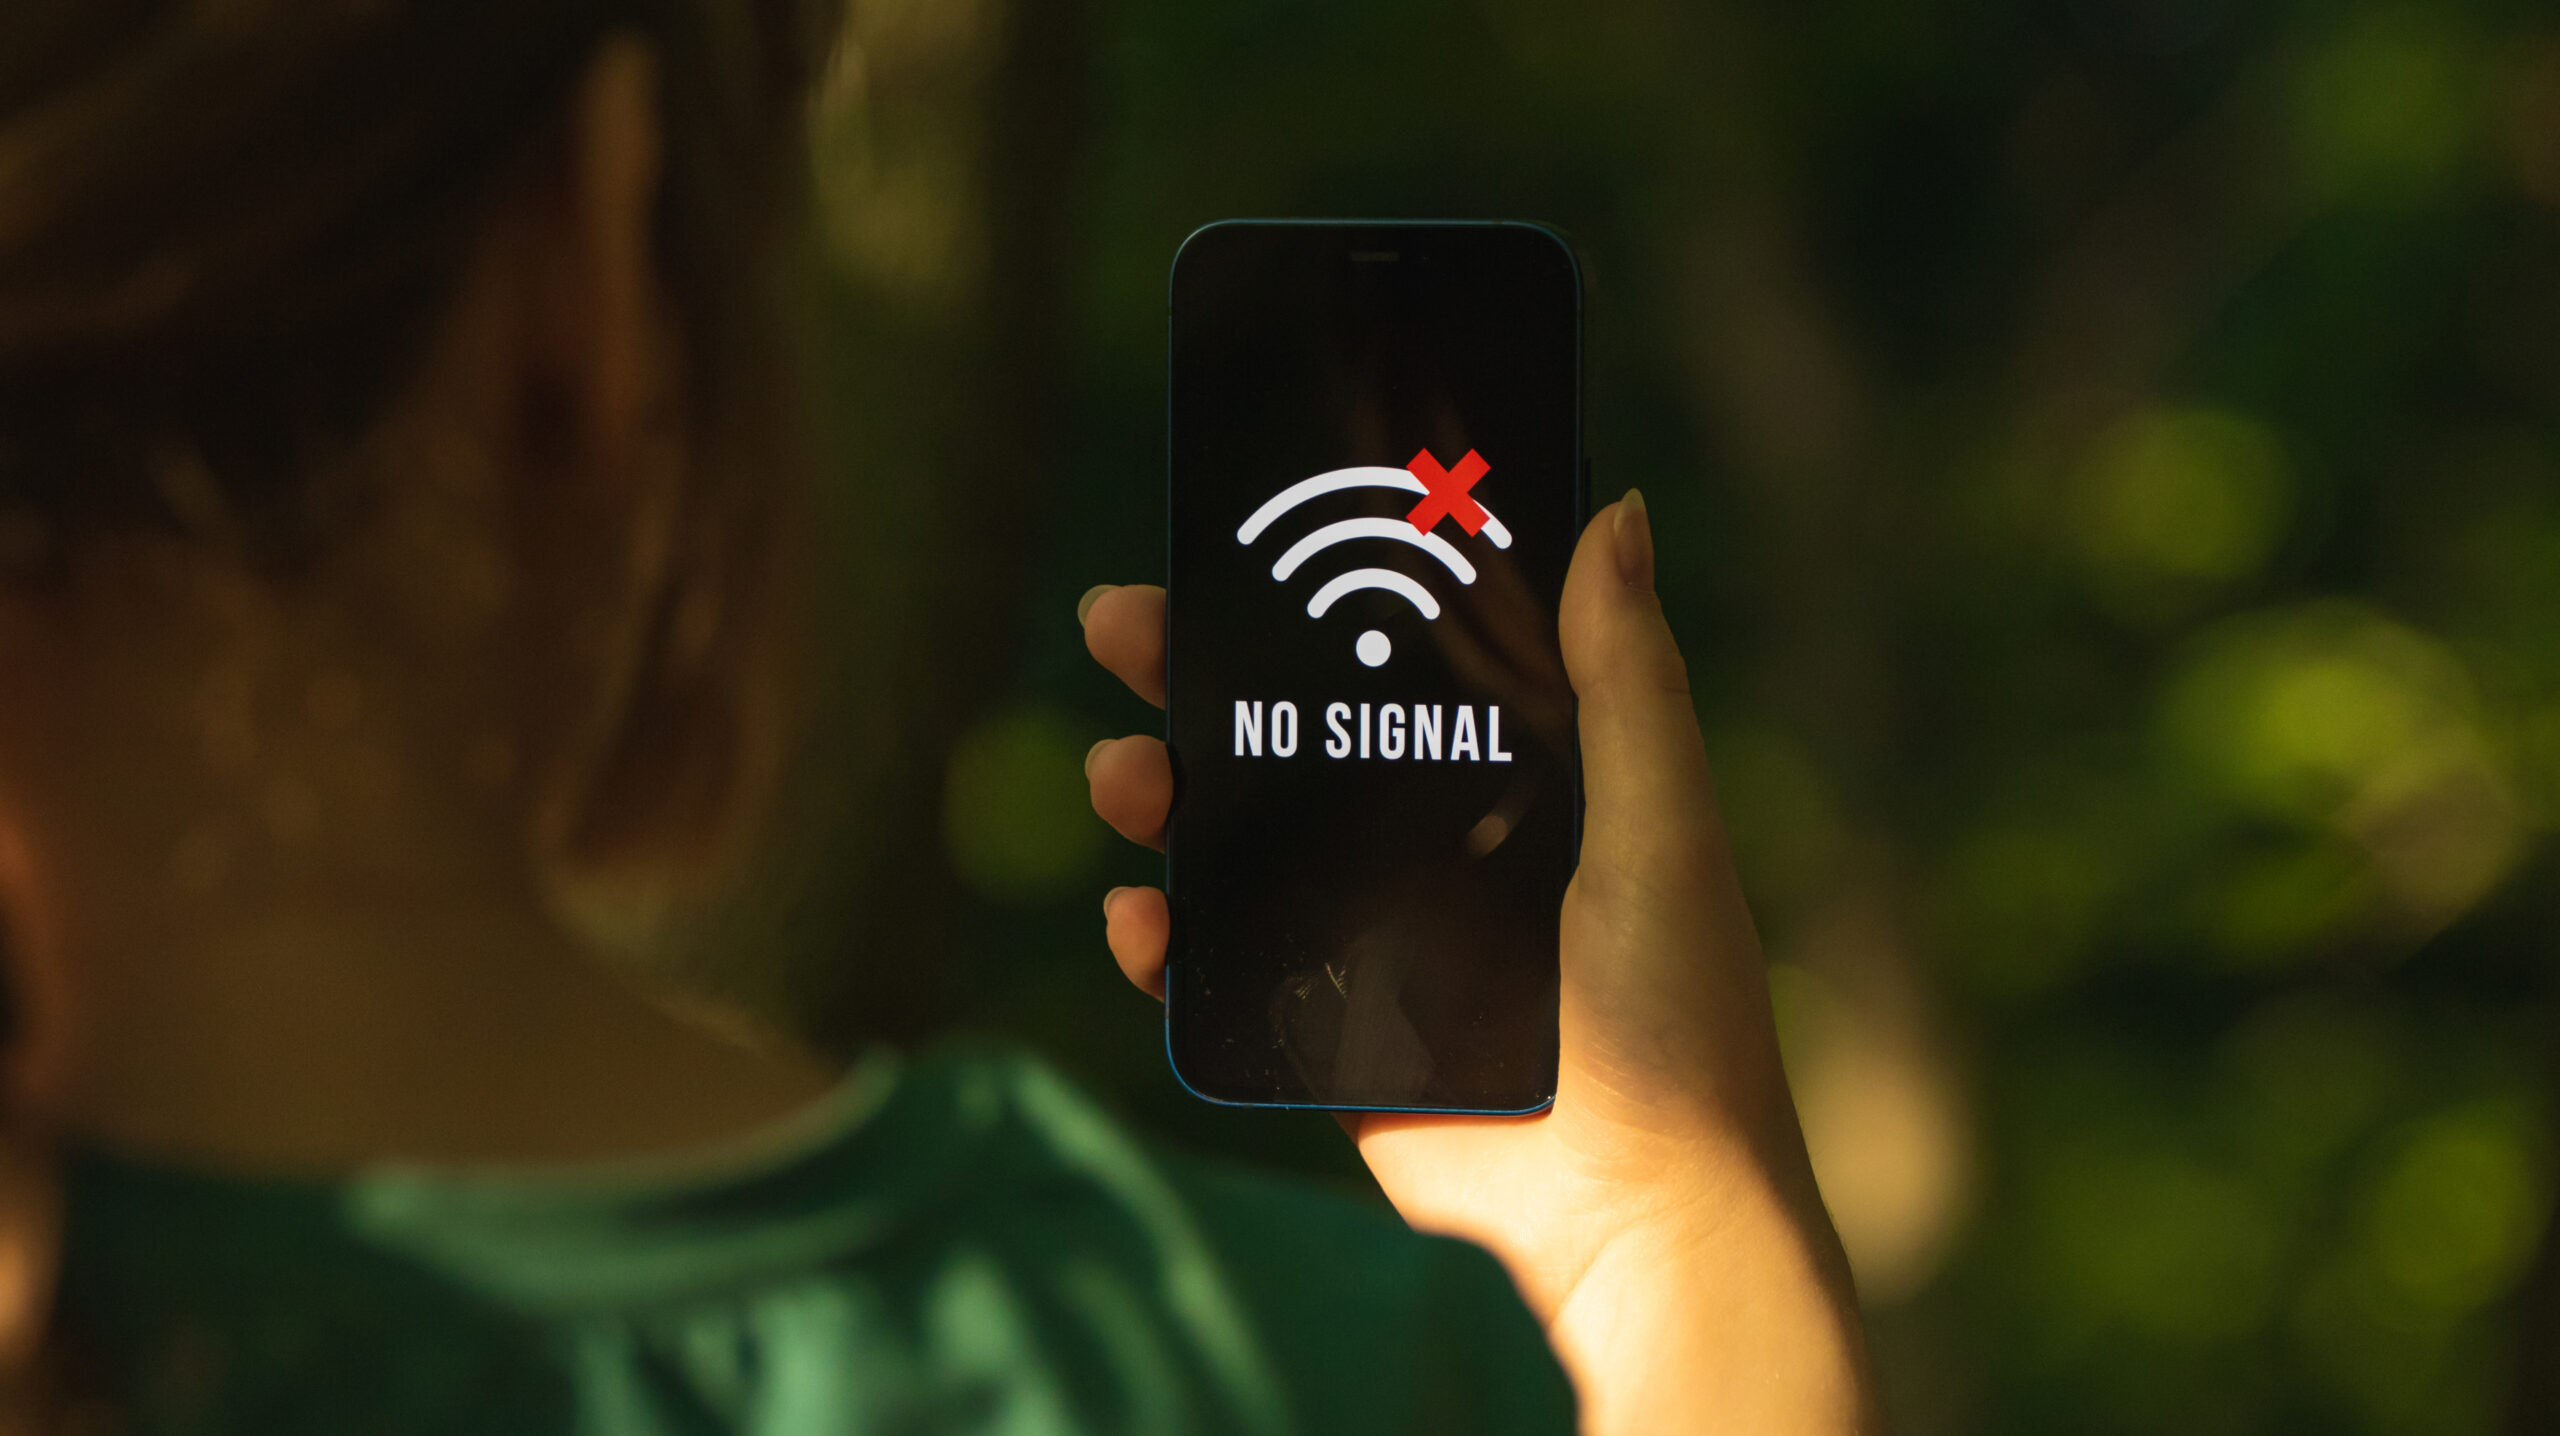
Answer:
(1090, 752)
(1091, 597)
(1107, 899)
(1634, 536)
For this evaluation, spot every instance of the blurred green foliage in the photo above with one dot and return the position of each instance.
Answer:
(2105, 466)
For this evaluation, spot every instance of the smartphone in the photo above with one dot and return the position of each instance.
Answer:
(1376, 482)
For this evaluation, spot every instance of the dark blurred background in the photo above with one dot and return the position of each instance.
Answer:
(2103, 456)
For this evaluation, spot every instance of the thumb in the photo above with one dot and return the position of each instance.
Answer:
(1650, 822)
(1664, 992)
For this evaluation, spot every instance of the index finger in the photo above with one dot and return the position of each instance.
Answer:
(1124, 630)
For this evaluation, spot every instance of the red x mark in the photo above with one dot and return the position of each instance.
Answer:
(1445, 492)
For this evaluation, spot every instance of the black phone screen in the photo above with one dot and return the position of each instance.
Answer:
(1376, 484)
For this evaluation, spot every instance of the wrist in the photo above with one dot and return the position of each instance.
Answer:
(1733, 1312)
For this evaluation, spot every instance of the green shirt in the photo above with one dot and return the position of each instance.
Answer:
(961, 1245)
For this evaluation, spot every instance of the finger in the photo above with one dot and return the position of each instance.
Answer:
(1124, 630)
(1136, 922)
(1132, 783)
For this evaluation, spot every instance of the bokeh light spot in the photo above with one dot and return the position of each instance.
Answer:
(2152, 1242)
(2455, 1216)
(2386, 105)
(2173, 506)
(2350, 726)
(1016, 813)
(2027, 899)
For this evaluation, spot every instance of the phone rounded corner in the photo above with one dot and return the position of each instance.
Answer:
(1173, 1064)
(1564, 245)
(1182, 251)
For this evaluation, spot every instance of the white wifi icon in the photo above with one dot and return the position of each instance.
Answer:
(1372, 647)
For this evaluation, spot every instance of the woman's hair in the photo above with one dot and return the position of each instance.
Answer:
(226, 225)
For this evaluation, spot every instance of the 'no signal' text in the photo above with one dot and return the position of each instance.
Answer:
(1425, 732)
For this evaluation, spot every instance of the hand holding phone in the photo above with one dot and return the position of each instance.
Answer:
(1661, 1218)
